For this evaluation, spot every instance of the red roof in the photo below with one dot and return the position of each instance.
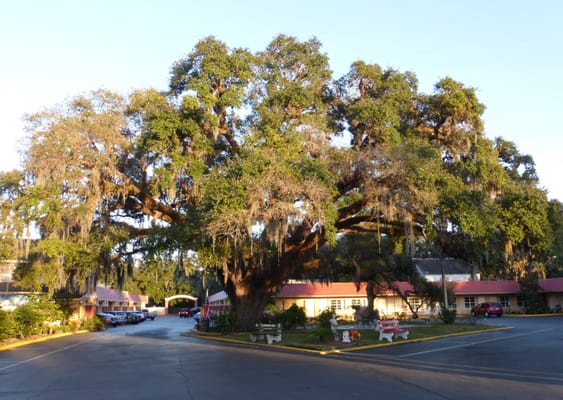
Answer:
(334, 289)
(108, 294)
(348, 289)
(553, 285)
(484, 287)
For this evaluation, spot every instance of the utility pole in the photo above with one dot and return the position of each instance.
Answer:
(444, 280)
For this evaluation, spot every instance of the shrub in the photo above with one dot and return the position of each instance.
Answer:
(271, 315)
(293, 317)
(366, 315)
(226, 321)
(7, 325)
(29, 317)
(324, 331)
(95, 324)
(448, 316)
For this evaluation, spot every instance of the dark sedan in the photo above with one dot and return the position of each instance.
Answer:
(108, 319)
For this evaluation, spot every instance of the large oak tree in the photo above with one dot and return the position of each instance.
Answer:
(237, 163)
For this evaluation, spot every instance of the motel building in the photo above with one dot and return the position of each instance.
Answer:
(343, 299)
(108, 300)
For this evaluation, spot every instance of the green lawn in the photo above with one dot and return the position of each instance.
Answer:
(308, 339)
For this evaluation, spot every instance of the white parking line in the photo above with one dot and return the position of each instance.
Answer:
(473, 343)
(42, 356)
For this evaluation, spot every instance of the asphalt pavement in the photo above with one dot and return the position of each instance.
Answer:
(156, 360)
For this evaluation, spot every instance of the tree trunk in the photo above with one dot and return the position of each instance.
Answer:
(370, 295)
(251, 305)
(250, 290)
(250, 282)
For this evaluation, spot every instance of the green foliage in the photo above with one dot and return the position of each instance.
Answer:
(160, 276)
(95, 324)
(271, 314)
(530, 293)
(524, 213)
(554, 255)
(293, 317)
(29, 317)
(324, 319)
(427, 292)
(226, 321)
(236, 163)
(7, 247)
(324, 328)
(8, 327)
(447, 315)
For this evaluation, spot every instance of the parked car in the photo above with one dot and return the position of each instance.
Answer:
(108, 319)
(184, 313)
(149, 314)
(194, 311)
(487, 309)
(135, 317)
(121, 317)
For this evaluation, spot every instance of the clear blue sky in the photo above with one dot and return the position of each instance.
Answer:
(510, 51)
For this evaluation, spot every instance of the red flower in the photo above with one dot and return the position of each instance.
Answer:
(354, 334)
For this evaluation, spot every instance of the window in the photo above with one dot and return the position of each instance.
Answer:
(469, 302)
(521, 302)
(415, 302)
(453, 303)
(356, 302)
(335, 305)
(505, 301)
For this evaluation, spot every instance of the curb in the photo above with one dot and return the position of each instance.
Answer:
(534, 315)
(200, 335)
(25, 342)
(372, 346)
(205, 336)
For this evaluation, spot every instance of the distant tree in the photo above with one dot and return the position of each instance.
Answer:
(15, 226)
(530, 294)
(554, 255)
(526, 231)
(160, 278)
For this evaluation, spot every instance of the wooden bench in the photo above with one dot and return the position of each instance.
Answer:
(269, 333)
(389, 329)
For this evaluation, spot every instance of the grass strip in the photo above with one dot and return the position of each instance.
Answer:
(308, 339)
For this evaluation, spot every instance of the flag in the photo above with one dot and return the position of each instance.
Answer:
(206, 306)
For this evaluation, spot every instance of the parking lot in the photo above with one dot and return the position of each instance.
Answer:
(154, 359)
(531, 349)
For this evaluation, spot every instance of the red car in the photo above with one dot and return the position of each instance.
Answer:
(184, 313)
(487, 309)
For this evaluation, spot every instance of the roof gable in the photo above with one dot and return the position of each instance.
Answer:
(452, 266)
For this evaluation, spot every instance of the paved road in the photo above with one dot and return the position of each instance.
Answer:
(154, 361)
(534, 344)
